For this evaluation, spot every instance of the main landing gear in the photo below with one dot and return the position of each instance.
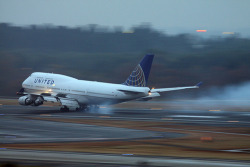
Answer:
(64, 109)
(89, 108)
(93, 108)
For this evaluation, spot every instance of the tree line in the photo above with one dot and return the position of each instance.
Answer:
(107, 55)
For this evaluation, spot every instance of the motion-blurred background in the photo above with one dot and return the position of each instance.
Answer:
(192, 41)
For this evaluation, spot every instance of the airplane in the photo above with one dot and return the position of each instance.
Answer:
(74, 94)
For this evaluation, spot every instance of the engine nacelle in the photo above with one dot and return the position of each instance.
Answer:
(38, 101)
(25, 100)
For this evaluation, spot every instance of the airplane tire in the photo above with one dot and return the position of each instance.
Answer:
(78, 109)
(64, 109)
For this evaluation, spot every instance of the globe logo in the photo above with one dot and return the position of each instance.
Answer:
(136, 78)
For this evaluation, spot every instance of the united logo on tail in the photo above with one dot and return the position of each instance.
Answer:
(136, 78)
(139, 77)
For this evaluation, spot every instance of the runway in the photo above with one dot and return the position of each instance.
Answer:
(17, 128)
(139, 126)
(83, 159)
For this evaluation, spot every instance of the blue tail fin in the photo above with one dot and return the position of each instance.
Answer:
(139, 77)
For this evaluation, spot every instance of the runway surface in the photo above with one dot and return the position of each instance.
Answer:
(120, 160)
(19, 126)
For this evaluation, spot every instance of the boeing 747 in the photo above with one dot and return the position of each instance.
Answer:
(74, 94)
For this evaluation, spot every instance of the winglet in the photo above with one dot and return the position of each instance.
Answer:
(199, 84)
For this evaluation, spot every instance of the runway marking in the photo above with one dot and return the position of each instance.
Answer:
(247, 150)
(245, 114)
(207, 131)
(62, 138)
(46, 115)
(167, 118)
(195, 116)
(69, 157)
(13, 137)
(128, 154)
(233, 121)
(206, 120)
(209, 121)
(104, 116)
(156, 109)
(214, 110)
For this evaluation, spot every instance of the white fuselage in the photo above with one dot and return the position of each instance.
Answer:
(85, 92)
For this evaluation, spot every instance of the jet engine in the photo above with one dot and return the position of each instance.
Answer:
(25, 100)
(38, 101)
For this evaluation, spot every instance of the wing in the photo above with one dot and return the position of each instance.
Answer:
(175, 88)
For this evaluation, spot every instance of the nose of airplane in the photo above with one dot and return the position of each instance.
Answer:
(26, 81)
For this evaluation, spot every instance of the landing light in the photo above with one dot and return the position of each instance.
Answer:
(54, 85)
(48, 91)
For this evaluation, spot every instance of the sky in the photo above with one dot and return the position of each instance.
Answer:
(170, 16)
